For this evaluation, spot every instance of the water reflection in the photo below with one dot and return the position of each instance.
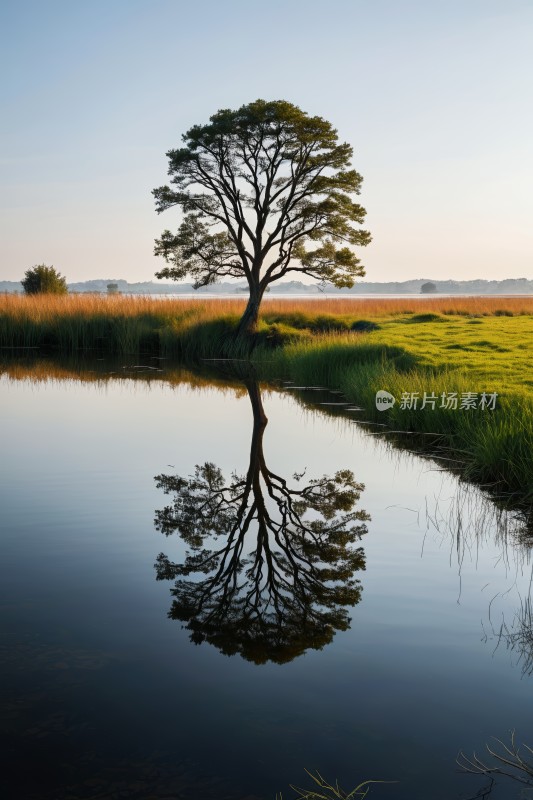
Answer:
(471, 522)
(278, 561)
(517, 636)
(81, 702)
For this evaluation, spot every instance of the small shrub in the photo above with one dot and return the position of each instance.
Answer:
(427, 318)
(277, 335)
(294, 319)
(364, 325)
(328, 323)
(44, 280)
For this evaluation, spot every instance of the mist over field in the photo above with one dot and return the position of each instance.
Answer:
(414, 286)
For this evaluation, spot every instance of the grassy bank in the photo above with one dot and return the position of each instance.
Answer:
(435, 348)
(493, 447)
(119, 324)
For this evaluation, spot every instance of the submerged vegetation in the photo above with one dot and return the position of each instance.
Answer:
(422, 351)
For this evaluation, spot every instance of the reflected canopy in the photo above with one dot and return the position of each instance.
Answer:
(274, 563)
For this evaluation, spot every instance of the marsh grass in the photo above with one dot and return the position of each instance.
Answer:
(495, 447)
(353, 346)
(120, 323)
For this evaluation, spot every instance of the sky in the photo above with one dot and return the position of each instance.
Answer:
(434, 97)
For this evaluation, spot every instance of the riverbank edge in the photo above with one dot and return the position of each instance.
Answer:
(491, 447)
(490, 443)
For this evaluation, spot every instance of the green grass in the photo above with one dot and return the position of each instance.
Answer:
(495, 351)
(494, 446)
(481, 347)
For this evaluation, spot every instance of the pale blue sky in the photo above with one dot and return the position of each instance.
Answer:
(434, 96)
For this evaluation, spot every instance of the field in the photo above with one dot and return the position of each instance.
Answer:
(424, 352)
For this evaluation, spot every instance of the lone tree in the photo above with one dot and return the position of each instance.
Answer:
(42, 279)
(265, 190)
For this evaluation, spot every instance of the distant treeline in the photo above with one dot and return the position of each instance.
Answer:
(477, 287)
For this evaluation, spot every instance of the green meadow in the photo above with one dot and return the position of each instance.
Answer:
(485, 367)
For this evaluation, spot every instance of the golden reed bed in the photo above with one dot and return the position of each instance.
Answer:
(41, 307)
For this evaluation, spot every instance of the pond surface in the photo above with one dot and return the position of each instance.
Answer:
(212, 633)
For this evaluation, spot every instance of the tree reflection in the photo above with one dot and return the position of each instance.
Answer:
(274, 564)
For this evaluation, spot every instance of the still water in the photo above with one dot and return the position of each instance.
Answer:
(197, 604)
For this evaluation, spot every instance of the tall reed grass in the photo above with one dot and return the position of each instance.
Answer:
(314, 342)
(129, 324)
(85, 321)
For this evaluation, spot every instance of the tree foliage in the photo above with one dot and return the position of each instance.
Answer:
(44, 280)
(265, 190)
(270, 567)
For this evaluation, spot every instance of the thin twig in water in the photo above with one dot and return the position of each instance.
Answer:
(508, 762)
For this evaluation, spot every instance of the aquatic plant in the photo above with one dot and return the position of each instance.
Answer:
(329, 791)
(507, 760)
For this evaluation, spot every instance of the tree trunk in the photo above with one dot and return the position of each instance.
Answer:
(254, 393)
(248, 323)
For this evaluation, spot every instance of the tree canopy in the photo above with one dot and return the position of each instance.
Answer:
(265, 190)
(42, 279)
